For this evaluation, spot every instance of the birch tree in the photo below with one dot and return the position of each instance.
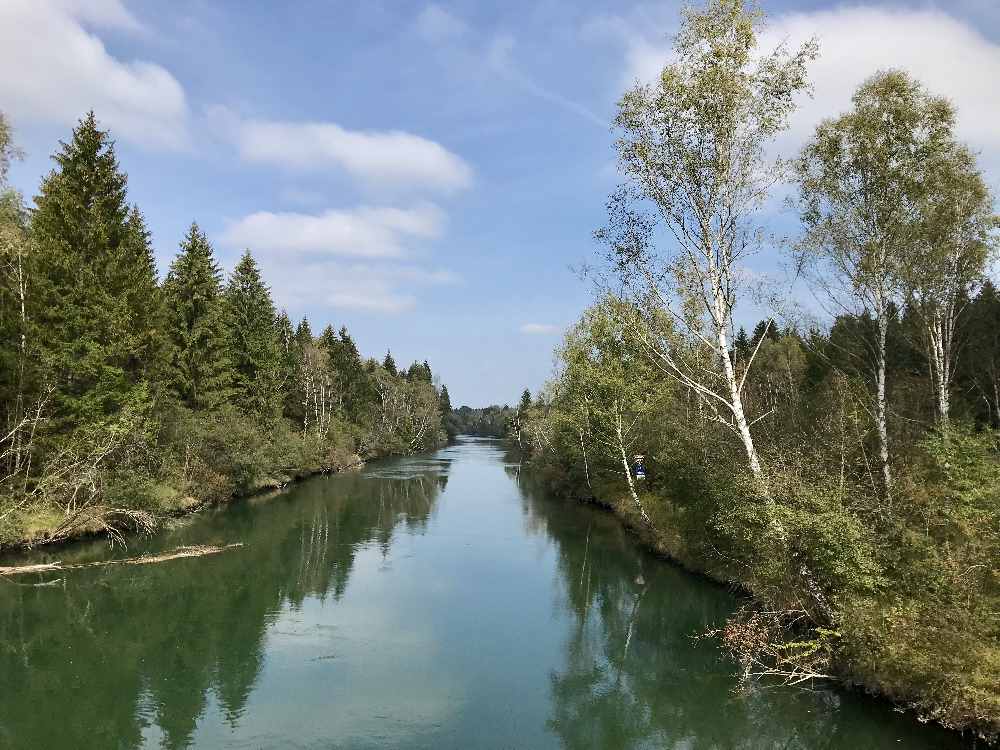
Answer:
(609, 390)
(947, 258)
(860, 189)
(694, 150)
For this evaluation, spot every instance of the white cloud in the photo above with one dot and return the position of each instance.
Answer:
(392, 158)
(539, 329)
(311, 259)
(367, 231)
(435, 24)
(366, 287)
(950, 57)
(57, 70)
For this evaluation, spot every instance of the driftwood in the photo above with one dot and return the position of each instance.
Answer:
(194, 551)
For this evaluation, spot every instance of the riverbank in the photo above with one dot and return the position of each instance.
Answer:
(160, 499)
(50, 527)
(935, 680)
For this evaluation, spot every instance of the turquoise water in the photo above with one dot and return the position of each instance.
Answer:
(429, 602)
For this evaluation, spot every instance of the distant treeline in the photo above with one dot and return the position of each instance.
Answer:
(124, 397)
(489, 421)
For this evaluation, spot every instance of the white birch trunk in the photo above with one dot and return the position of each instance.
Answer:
(881, 409)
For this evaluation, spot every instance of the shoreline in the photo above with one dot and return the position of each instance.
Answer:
(190, 506)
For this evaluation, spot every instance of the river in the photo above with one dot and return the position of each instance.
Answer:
(427, 602)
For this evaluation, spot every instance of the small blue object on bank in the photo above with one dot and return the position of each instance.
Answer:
(639, 467)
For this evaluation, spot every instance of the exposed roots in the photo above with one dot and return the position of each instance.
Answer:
(101, 519)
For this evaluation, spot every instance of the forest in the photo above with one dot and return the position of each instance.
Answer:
(126, 397)
(839, 463)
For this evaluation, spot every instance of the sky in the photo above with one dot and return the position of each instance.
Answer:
(428, 174)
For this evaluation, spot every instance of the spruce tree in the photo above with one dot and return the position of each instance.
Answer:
(445, 401)
(287, 360)
(354, 381)
(741, 346)
(200, 375)
(295, 394)
(525, 402)
(143, 302)
(254, 352)
(389, 364)
(82, 272)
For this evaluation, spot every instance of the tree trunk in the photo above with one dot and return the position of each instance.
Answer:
(881, 409)
(627, 467)
(735, 397)
(586, 463)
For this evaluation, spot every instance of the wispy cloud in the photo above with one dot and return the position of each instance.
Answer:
(539, 329)
(56, 70)
(387, 158)
(366, 231)
(501, 60)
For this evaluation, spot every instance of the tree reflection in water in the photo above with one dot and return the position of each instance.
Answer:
(635, 676)
(110, 651)
(374, 611)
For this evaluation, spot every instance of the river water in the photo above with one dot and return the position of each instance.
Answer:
(428, 602)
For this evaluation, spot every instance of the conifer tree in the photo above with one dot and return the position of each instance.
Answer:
(287, 361)
(525, 402)
(741, 346)
(329, 342)
(351, 375)
(200, 373)
(303, 333)
(253, 341)
(389, 364)
(143, 302)
(82, 271)
(445, 401)
(295, 395)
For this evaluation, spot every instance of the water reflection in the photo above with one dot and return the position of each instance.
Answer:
(109, 652)
(635, 675)
(433, 602)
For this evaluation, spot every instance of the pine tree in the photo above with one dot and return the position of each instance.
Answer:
(389, 364)
(85, 259)
(200, 374)
(254, 352)
(445, 401)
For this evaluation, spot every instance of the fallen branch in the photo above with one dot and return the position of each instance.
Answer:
(192, 551)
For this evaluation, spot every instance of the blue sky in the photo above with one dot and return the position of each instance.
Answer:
(427, 174)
